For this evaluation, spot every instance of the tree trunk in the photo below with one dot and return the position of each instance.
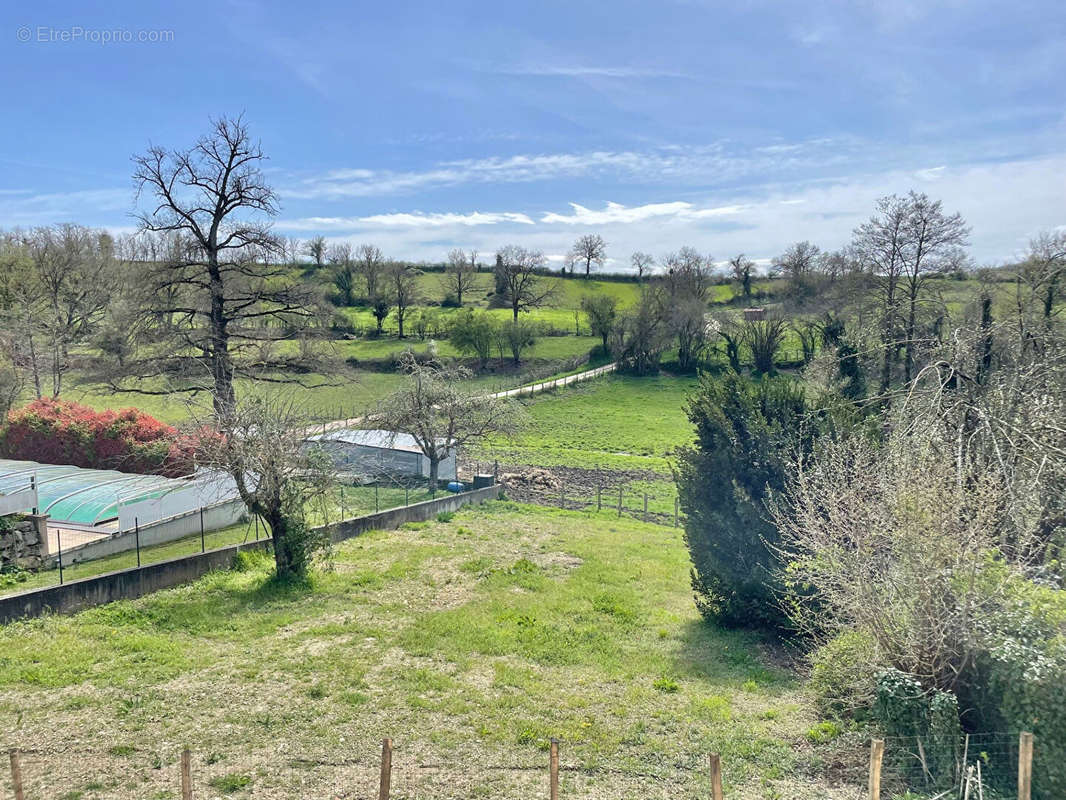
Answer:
(221, 364)
(36, 367)
(287, 563)
(434, 471)
(908, 348)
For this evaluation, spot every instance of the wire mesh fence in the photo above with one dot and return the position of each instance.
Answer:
(986, 766)
(980, 766)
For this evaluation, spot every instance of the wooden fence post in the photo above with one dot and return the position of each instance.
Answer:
(1025, 765)
(553, 771)
(186, 774)
(386, 770)
(716, 776)
(16, 775)
(877, 753)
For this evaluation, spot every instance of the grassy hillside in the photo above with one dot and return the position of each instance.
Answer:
(470, 642)
(618, 422)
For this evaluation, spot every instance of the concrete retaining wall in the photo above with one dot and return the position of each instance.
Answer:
(165, 530)
(130, 583)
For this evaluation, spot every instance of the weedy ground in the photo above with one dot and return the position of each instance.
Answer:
(470, 641)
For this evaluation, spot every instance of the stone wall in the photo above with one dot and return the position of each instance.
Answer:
(24, 543)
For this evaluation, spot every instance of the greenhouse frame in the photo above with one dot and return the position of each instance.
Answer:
(87, 498)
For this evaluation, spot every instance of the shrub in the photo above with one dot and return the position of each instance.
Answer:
(843, 676)
(55, 431)
(746, 431)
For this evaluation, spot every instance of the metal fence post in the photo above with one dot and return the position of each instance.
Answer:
(619, 501)
(137, 537)
(59, 548)
(645, 506)
(599, 493)
(203, 540)
(375, 498)
(675, 511)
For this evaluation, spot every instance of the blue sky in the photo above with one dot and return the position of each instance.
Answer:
(731, 127)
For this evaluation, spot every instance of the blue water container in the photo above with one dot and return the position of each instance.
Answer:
(455, 486)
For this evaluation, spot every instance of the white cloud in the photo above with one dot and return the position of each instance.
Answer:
(415, 219)
(615, 213)
(674, 165)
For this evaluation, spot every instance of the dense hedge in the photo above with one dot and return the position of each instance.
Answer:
(64, 432)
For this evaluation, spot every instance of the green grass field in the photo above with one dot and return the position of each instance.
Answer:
(469, 642)
(617, 422)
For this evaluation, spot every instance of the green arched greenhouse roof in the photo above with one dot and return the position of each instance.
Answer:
(83, 496)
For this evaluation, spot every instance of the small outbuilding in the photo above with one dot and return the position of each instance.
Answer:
(376, 453)
(754, 314)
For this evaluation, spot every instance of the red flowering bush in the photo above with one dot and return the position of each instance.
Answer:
(64, 432)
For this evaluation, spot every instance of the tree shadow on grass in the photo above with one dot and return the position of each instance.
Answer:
(721, 655)
(248, 598)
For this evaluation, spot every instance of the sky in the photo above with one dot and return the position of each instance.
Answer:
(731, 127)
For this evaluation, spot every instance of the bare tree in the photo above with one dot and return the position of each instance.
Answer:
(881, 245)
(340, 259)
(1043, 268)
(932, 240)
(519, 275)
(370, 263)
(316, 248)
(686, 321)
(404, 289)
(799, 266)
(216, 290)
(643, 263)
(460, 274)
(262, 445)
(58, 282)
(293, 248)
(588, 250)
(640, 334)
(741, 266)
(437, 410)
(687, 273)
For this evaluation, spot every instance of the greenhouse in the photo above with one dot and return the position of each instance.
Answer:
(89, 497)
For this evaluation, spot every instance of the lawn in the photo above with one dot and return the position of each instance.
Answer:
(470, 642)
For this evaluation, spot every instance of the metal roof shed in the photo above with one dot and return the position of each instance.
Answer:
(375, 453)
